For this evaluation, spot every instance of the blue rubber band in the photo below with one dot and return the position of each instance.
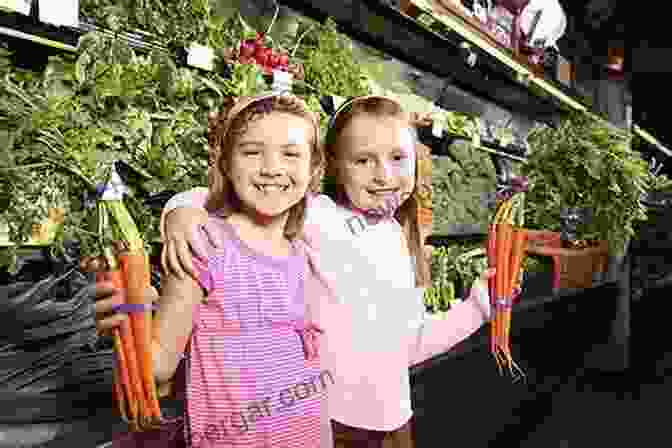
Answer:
(128, 308)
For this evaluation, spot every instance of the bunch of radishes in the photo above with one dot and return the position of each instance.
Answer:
(254, 51)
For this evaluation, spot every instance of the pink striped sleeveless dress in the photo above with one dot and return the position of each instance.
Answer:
(249, 383)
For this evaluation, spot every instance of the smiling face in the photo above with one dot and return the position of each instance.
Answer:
(376, 163)
(270, 167)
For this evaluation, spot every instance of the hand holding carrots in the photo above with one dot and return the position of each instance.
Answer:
(480, 294)
(107, 297)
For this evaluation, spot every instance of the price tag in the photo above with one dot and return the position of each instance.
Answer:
(60, 12)
(476, 138)
(480, 11)
(115, 188)
(282, 81)
(200, 56)
(654, 166)
(628, 115)
(20, 6)
(338, 101)
(438, 124)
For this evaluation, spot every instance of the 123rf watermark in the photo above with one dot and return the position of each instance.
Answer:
(241, 422)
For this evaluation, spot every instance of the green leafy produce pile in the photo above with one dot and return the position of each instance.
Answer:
(460, 181)
(586, 163)
(173, 23)
(63, 128)
(455, 267)
(60, 131)
(329, 62)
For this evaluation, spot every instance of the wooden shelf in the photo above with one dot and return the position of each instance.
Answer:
(651, 140)
(498, 75)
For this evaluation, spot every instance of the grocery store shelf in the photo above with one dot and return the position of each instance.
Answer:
(437, 144)
(497, 76)
(536, 300)
(651, 140)
(19, 26)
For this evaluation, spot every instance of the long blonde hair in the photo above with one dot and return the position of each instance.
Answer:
(227, 127)
(407, 214)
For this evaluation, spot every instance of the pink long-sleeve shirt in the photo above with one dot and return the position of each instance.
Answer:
(377, 327)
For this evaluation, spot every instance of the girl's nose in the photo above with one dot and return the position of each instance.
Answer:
(271, 165)
(384, 171)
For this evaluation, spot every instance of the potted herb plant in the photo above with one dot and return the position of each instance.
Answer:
(583, 175)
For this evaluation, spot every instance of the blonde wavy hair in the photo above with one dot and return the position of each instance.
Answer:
(225, 130)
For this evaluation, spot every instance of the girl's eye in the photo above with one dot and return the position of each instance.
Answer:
(292, 154)
(250, 152)
(361, 161)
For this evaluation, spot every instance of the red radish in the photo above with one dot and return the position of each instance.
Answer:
(247, 49)
(284, 60)
(274, 60)
(260, 56)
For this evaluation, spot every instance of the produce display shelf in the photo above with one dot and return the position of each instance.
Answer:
(61, 38)
(497, 75)
(651, 140)
(19, 26)
(435, 143)
(537, 293)
(385, 28)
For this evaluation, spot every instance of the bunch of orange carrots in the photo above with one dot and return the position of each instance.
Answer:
(506, 248)
(127, 266)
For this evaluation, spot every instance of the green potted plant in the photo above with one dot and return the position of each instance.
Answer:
(586, 165)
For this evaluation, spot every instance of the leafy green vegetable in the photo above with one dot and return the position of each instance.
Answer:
(68, 125)
(460, 181)
(586, 163)
(329, 63)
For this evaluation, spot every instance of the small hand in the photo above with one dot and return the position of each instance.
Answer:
(480, 291)
(188, 233)
(107, 297)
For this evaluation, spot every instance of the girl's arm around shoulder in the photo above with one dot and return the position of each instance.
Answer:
(173, 323)
(194, 198)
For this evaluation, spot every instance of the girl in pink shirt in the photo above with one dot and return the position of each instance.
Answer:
(364, 234)
(253, 376)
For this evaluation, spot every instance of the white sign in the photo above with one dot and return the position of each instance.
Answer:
(338, 100)
(60, 12)
(438, 125)
(282, 81)
(20, 6)
(200, 56)
(115, 188)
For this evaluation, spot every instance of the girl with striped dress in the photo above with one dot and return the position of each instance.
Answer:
(253, 375)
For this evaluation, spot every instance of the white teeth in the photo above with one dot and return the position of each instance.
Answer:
(272, 188)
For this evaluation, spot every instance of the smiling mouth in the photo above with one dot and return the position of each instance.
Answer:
(383, 192)
(268, 188)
